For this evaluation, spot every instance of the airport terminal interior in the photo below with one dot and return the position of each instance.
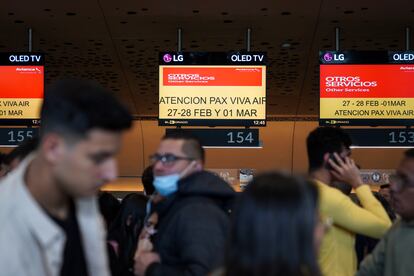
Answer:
(118, 44)
(219, 138)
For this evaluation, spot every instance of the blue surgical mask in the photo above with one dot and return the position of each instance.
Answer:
(167, 184)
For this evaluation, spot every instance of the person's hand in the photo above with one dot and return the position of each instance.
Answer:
(149, 227)
(345, 170)
(144, 256)
(142, 261)
(144, 245)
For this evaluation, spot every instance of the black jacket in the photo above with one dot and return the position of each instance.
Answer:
(193, 226)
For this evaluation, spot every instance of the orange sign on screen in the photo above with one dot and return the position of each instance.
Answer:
(367, 81)
(212, 76)
(21, 81)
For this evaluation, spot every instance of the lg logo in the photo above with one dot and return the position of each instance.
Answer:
(167, 58)
(328, 57)
(176, 58)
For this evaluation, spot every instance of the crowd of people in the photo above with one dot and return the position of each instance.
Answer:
(189, 221)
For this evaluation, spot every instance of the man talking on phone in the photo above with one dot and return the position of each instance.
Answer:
(190, 225)
(329, 161)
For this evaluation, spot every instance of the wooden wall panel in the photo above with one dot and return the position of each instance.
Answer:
(130, 158)
(300, 158)
(284, 148)
(378, 158)
(275, 154)
(276, 151)
(152, 136)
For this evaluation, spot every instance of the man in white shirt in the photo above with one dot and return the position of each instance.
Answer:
(50, 223)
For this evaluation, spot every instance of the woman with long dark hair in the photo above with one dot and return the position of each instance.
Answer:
(275, 224)
(123, 233)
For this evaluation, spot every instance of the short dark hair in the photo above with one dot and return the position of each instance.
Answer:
(325, 140)
(385, 186)
(3, 157)
(73, 107)
(126, 228)
(147, 180)
(409, 153)
(192, 144)
(109, 207)
(273, 228)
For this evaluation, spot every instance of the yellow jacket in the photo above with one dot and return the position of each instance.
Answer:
(337, 255)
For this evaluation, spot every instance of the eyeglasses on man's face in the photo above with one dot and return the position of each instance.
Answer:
(400, 182)
(167, 159)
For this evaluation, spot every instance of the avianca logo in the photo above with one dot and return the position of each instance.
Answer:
(26, 69)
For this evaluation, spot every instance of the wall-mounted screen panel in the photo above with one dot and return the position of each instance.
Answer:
(212, 89)
(369, 88)
(21, 88)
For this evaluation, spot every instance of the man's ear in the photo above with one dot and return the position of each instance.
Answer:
(194, 166)
(326, 164)
(52, 147)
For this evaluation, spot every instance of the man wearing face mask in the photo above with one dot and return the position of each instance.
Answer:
(192, 225)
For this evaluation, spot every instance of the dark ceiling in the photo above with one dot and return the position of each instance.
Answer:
(117, 42)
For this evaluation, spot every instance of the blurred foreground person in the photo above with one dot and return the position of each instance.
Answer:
(16, 156)
(276, 229)
(10, 161)
(4, 168)
(50, 218)
(394, 253)
(329, 161)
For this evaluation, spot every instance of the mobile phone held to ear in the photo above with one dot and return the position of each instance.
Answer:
(332, 157)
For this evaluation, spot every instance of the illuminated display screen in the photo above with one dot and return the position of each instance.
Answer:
(366, 88)
(21, 88)
(212, 89)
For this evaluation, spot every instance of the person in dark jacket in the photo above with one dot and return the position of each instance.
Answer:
(394, 253)
(123, 233)
(192, 224)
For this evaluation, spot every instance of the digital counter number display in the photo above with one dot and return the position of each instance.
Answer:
(386, 137)
(227, 138)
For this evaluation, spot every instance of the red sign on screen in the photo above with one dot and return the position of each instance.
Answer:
(215, 76)
(21, 81)
(367, 81)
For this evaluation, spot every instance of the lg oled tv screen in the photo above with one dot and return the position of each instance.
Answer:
(212, 89)
(21, 88)
(370, 88)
